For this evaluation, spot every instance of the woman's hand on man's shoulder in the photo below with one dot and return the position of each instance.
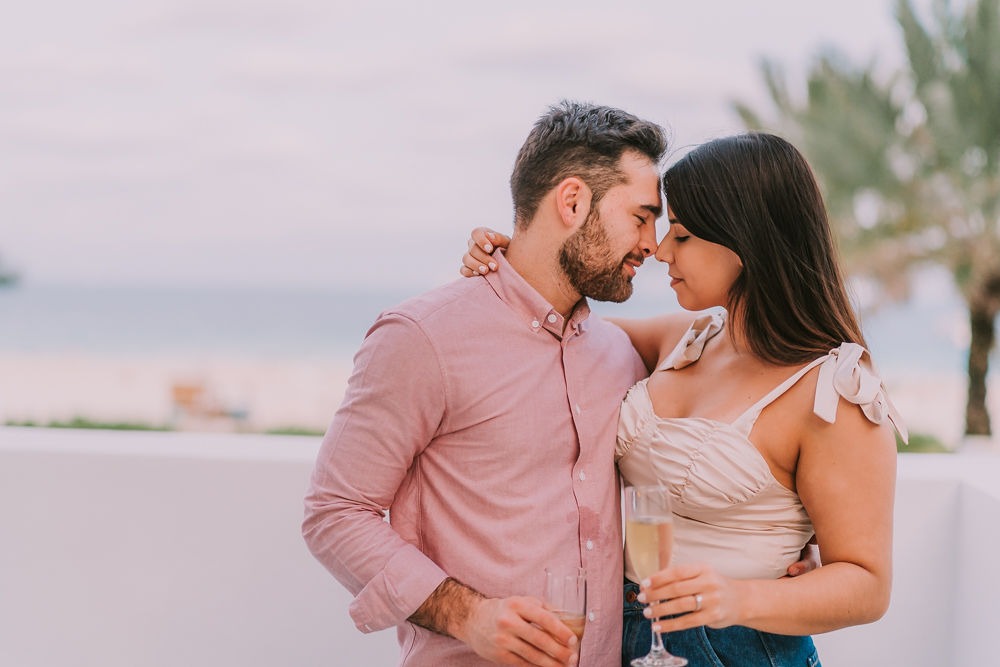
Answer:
(483, 242)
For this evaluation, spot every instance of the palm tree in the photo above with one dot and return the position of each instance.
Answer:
(910, 162)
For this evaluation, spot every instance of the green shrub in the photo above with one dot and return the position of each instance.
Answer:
(921, 443)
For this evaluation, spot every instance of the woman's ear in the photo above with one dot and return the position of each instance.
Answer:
(573, 199)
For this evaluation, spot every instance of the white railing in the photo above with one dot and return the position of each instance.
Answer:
(165, 549)
(946, 583)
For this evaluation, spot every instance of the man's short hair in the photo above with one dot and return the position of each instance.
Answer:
(583, 140)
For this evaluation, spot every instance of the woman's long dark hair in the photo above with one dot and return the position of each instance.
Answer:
(756, 195)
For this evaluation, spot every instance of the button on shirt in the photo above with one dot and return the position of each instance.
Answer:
(488, 433)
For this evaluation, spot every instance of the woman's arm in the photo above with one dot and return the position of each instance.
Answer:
(846, 480)
(654, 337)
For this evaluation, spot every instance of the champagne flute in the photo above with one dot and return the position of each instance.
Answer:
(566, 596)
(649, 532)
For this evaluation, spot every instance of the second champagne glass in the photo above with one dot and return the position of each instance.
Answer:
(649, 539)
(566, 596)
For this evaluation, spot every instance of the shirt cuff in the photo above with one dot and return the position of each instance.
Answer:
(398, 590)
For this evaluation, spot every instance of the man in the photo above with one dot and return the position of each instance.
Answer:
(493, 472)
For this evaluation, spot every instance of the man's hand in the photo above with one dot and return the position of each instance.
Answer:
(518, 631)
(808, 561)
(509, 631)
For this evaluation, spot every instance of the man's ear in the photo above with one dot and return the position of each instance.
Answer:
(573, 198)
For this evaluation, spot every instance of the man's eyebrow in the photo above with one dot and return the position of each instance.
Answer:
(654, 209)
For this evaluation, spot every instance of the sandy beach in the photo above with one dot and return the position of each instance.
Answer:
(262, 395)
(934, 403)
(281, 394)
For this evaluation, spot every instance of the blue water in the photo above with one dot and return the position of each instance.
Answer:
(138, 322)
(918, 336)
(277, 323)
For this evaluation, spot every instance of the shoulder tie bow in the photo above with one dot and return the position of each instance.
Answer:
(689, 348)
(843, 374)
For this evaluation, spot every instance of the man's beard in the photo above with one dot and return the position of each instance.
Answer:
(590, 265)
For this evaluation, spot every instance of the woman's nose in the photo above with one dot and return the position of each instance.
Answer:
(663, 251)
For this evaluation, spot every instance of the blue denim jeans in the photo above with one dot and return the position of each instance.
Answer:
(735, 646)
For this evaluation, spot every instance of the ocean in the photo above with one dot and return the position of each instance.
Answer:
(143, 322)
(281, 357)
(296, 323)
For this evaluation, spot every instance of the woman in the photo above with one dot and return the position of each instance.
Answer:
(763, 415)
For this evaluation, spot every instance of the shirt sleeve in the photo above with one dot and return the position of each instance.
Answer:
(391, 410)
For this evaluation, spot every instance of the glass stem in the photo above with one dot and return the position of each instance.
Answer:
(657, 648)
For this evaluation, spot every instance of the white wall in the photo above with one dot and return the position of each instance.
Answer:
(918, 628)
(128, 550)
(131, 549)
(946, 585)
(977, 597)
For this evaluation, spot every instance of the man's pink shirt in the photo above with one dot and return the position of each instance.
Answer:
(488, 432)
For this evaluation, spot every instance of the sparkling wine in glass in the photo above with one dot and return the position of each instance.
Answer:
(566, 596)
(649, 538)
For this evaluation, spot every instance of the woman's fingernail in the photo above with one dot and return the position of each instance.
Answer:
(647, 613)
(493, 266)
(657, 629)
(491, 235)
(645, 583)
(641, 597)
(488, 247)
(482, 269)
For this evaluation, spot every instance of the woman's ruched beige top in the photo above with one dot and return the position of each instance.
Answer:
(729, 510)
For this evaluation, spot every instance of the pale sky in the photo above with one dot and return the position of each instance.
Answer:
(327, 143)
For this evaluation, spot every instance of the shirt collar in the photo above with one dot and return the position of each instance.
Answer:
(531, 306)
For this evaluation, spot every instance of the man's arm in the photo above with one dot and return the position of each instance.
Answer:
(447, 608)
(391, 411)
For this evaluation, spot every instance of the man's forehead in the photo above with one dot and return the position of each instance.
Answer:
(637, 162)
(644, 179)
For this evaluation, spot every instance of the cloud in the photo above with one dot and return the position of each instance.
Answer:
(271, 141)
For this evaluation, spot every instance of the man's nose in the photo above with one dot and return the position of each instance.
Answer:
(647, 240)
